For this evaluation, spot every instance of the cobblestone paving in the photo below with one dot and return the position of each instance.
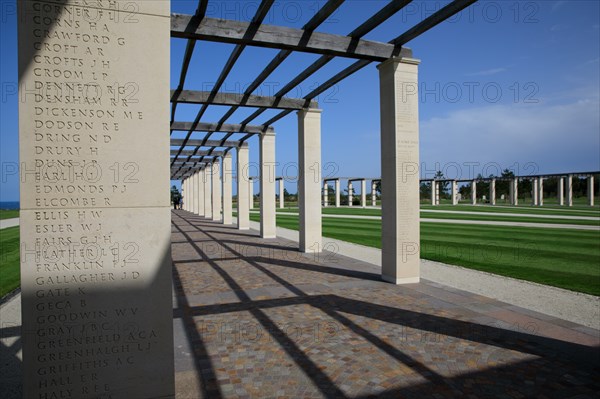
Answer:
(256, 319)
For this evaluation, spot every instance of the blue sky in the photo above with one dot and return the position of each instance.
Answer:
(505, 84)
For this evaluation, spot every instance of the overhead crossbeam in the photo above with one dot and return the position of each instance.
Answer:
(198, 153)
(205, 97)
(278, 37)
(208, 143)
(378, 18)
(258, 18)
(446, 12)
(220, 128)
(317, 19)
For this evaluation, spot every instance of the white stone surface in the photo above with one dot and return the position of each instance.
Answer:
(363, 193)
(207, 178)
(399, 168)
(309, 179)
(561, 191)
(95, 215)
(569, 190)
(242, 180)
(267, 185)
(493, 192)
(227, 189)
(216, 185)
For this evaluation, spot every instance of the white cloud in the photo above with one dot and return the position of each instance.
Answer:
(487, 72)
(556, 138)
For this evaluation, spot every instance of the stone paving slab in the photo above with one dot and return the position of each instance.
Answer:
(256, 319)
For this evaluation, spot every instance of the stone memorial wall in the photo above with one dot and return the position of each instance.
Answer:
(95, 215)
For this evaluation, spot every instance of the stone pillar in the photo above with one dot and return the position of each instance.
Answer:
(267, 185)
(243, 204)
(454, 192)
(207, 178)
(124, 282)
(281, 196)
(400, 228)
(325, 194)
(373, 193)
(337, 193)
(216, 190)
(493, 192)
(514, 192)
(309, 179)
(363, 193)
(541, 191)
(433, 191)
(195, 192)
(350, 194)
(561, 191)
(590, 193)
(569, 190)
(199, 192)
(473, 192)
(227, 188)
(184, 193)
(250, 193)
(534, 191)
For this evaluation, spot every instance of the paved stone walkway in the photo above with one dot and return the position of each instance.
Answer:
(6, 223)
(254, 318)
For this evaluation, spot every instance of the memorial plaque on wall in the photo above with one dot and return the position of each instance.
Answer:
(95, 215)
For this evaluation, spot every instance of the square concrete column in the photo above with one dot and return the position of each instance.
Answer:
(590, 193)
(350, 194)
(400, 230)
(243, 204)
(534, 191)
(473, 192)
(325, 194)
(337, 194)
(514, 192)
(363, 193)
(207, 179)
(373, 193)
(199, 192)
(216, 190)
(454, 190)
(281, 196)
(493, 192)
(267, 185)
(433, 194)
(96, 267)
(184, 193)
(561, 191)
(250, 193)
(227, 171)
(569, 190)
(541, 191)
(196, 184)
(309, 179)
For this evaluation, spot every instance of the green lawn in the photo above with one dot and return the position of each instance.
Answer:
(8, 214)
(9, 260)
(519, 215)
(559, 257)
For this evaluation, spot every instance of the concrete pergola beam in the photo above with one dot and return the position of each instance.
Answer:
(206, 97)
